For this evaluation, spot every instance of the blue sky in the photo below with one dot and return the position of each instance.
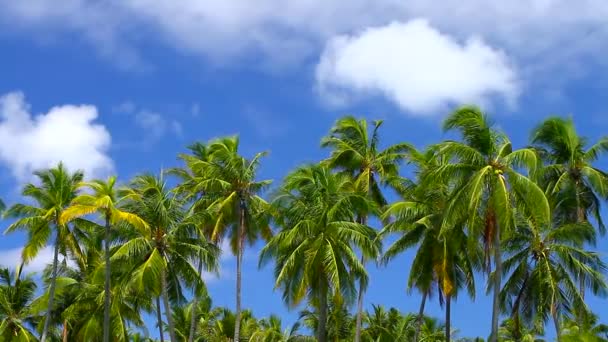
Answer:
(124, 86)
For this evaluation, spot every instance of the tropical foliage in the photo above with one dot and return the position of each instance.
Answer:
(130, 259)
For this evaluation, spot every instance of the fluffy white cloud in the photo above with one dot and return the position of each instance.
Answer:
(414, 65)
(66, 133)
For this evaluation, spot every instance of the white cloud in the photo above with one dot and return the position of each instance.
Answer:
(11, 258)
(66, 133)
(416, 66)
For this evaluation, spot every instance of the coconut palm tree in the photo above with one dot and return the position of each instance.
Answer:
(444, 259)
(570, 172)
(314, 252)
(231, 194)
(162, 255)
(570, 167)
(357, 152)
(484, 169)
(589, 330)
(16, 295)
(80, 293)
(105, 201)
(545, 262)
(271, 330)
(56, 189)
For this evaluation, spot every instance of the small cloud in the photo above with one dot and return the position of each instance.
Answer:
(154, 125)
(126, 107)
(195, 110)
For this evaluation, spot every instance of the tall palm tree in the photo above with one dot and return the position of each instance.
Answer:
(57, 188)
(357, 152)
(16, 295)
(313, 252)
(484, 169)
(163, 252)
(444, 259)
(105, 201)
(570, 170)
(231, 194)
(545, 263)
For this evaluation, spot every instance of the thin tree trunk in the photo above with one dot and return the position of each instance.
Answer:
(106, 308)
(195, 302)
(239, 265)
(64, 333)
(47, 319)
(168, 311)
(580, 217)
(420, 317)
(159, 318)
(448, 332)
(497, 283)
(359, 321)
(321, 328)
(359, 308)
(556, 324)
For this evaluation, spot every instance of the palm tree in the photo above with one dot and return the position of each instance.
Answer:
(358, 154)
(339, 323)
(484, 170)
(570, 170)
(105, 201)
(16, 295)
(546, 262)
(231, 194)
(589, 330)
(444, 257)
(314, 253)
(163, 252)
(271, 330)
(58, 187)
(80, 292)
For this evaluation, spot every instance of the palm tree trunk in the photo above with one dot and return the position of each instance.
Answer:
(556, 324)
(239, 266)
(448, 332)
(321, 327)
(359, 308)
(359, 321)
(420, 317)
(168, 312)
(159, 318)
(64, 333)
(106, 308)
(195, 302)
(47, 319)
(580, 217)
(497, 283)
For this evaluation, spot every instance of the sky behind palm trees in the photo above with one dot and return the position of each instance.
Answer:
(123, 86)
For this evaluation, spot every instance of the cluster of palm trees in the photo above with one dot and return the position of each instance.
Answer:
(527, 219)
